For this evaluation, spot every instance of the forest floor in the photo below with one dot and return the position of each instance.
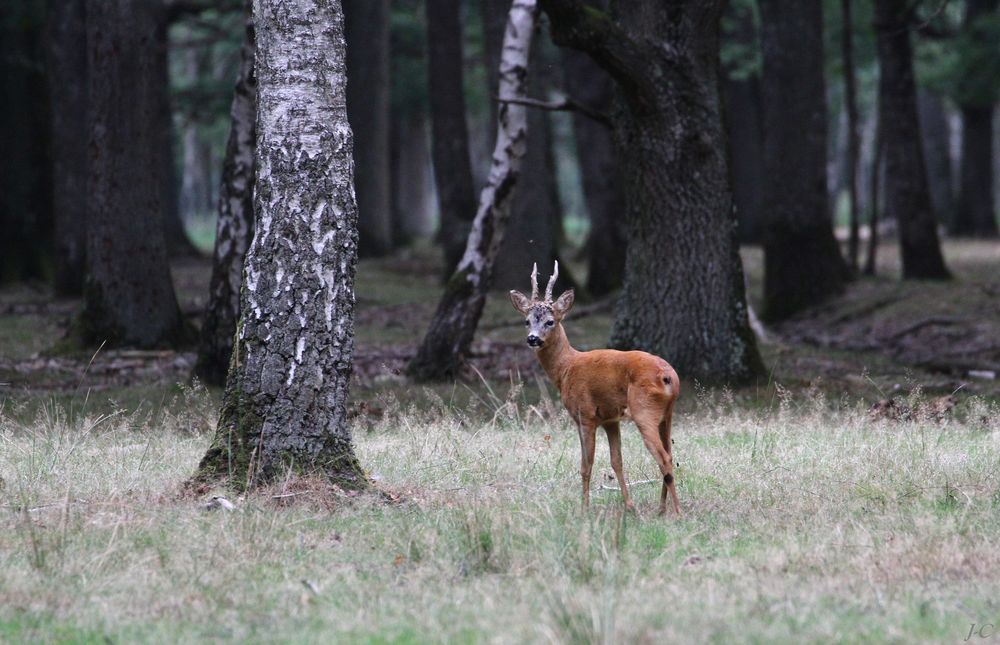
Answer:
(806, 517)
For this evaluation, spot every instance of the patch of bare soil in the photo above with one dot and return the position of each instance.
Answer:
(949, 329)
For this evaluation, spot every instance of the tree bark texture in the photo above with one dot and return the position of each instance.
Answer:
(443, 351)
(853, 133)
(234, 228)
(976, 214)
(600, 172)
(802, 260)
(935, 138)
(908, 198)
(284, 405)
(128, 297)
(367, 27)
(67, 71)
(26, 188)
(684, 294)
(450, 134)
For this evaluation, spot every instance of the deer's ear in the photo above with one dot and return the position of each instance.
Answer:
(564, 303)
(520, 301)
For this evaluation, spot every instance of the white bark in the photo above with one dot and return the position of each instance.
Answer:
(512, 137)
(285, 398)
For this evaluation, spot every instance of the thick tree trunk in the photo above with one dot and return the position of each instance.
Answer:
(285, 402)
(25, 164)
(450, 134)
(936, 142)
(67, 67)
(129, 297)
(802, 261)
(367, 28)
(976, 213)
(444, 349)
(234, 228)
(853, 133)
(590, 85)
(684, 294)
(908, 199)
(536, 213)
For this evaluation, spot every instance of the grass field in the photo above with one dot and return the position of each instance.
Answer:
(804, 519)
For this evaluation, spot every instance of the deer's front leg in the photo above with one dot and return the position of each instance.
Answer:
(615, 447)
(587, 439)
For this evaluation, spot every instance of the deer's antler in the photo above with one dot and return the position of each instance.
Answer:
(534, 282)
(552, 283)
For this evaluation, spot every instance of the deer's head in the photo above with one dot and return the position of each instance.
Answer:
(541, 317)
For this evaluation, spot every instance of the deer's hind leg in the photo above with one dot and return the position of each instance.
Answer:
(615, 447)
(670, 487)
(648, 417)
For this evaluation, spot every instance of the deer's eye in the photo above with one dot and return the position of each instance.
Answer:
(526, 323)
(549, 323)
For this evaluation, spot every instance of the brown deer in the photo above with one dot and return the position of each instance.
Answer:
(602, 387)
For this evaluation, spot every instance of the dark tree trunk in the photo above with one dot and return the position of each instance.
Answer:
(936, 143)
(25, 163)
(853, 133)
(67, 67)
(802, 261)
(285, 402)
(450, 134)
(414, 198)
(367, 28)
(874, 183)
(590, 85)
(178, 242)
(744, 120)
(976, 214)
(234, 228)
(128, 297)
(445, 348)
(744, 127)
(908, 199)
(684, 294)
(536, 213)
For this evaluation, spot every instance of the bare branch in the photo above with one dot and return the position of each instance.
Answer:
(565, 105)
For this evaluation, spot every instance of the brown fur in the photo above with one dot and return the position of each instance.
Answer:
(603, 387)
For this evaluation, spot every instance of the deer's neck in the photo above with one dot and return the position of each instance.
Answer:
(556, 355)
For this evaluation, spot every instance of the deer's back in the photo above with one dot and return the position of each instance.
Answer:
(599, 383)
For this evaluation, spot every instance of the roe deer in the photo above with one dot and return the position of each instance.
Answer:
(602, 387)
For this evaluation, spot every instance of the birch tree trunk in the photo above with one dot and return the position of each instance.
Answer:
(684, 292)
(444, 349)
(234, 227)
(128, 297)
(284, 405)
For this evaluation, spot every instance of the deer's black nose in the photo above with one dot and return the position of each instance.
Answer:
(534, 341)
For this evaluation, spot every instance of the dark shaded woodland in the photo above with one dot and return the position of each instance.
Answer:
(718, 181)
